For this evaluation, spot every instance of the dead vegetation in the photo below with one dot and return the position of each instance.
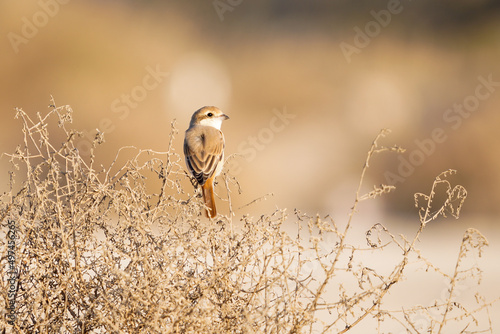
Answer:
(97, 251)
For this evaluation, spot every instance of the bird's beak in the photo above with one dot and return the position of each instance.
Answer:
(224, 117)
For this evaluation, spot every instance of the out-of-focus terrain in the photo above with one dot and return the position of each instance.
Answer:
(129, 69)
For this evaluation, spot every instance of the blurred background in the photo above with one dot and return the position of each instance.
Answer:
(308, 86)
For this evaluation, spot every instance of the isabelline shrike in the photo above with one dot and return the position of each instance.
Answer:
(204, 151)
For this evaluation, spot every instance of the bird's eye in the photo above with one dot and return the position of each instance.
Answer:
(210, 114)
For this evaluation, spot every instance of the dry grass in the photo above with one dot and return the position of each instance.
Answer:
(97, 251)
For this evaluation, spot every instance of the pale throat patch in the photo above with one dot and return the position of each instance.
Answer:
(215, 122)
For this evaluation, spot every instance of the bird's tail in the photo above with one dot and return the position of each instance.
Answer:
(209, 199)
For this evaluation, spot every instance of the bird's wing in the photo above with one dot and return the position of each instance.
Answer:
(203, 148)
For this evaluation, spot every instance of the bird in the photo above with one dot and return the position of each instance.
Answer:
(204, 151)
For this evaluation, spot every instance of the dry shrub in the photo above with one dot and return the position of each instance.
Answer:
(97, 251)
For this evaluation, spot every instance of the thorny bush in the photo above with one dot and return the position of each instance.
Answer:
(98, 251)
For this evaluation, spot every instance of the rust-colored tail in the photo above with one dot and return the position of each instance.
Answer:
(208, 198)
